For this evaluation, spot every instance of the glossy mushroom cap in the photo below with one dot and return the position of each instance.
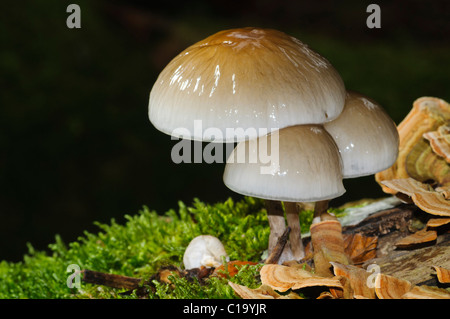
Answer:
(245, 78)
(366, 136)
(307, 168)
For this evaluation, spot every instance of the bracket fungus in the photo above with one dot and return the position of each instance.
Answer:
(421, 194)
(416, 157)
(422, 170)
(440, 141)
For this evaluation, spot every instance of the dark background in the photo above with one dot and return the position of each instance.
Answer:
(76, 145)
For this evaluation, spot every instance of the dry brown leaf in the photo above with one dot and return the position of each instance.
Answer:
(232, 269)
(419, 237)
(262, 292)
(328, 245)
(437, 222)
(357, 278)
(360, 248)
(425, 292)
(389, 287)
(443, 275)
(283, 278)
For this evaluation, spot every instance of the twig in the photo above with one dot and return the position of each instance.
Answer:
(110, 280)
(279, 247)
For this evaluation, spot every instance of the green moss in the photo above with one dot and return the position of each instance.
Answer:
(139, 248)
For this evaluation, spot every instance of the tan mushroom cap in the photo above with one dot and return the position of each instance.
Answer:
(366, 136)
(245, 78)
(307, 168)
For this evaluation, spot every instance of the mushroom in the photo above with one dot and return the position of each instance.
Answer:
(244, 83)
(367, 139)
(307, 169)
(204, 251)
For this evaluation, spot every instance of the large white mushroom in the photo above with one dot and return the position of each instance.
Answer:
(248, 78)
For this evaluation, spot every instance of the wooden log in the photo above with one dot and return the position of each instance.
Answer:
(384, 222)
(416, 265)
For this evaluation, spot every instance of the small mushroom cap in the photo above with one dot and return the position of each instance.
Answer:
(204, 250)
(306, 169)
(244, 78)
(366, 136)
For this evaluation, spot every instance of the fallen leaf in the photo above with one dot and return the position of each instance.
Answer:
(357, 278)
(360, 248)
(232, 270)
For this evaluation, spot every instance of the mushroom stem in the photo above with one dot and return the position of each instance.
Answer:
(277, 223)
(295, 237)
(321, 211)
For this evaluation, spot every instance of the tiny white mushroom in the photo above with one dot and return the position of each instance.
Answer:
(204, 250)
